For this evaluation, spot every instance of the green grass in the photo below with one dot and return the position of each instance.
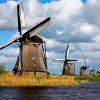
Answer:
(95, 77)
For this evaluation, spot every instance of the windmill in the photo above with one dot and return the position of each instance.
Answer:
(68, 64)
(92, 71)
(83, 68)
(98, 70)
(31, 57)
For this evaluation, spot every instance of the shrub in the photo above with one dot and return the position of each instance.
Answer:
(2, 68)
(95, 77)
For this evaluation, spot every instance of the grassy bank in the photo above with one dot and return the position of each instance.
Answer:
(87, 78)
(8, 79)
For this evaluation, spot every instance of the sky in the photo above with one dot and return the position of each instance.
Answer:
(73, 22)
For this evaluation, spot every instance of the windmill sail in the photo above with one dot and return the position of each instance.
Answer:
(22, 16)
(9, 42)
(32, 32)
(58, 60)
(19, 61)
(85, 61)
(38, 28)
(67, 52)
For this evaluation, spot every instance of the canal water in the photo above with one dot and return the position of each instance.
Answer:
(86, 91)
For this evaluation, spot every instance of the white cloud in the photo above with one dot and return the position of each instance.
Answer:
(8, 19)
(4, 59)
(13, 52)
(9, 55)
(86, 28)
(92, 2)
(82, 60)
(64, 13)
(51, 55)
(97, 39)
(92, 56)
(51, 43)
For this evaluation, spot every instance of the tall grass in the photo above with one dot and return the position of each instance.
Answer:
(9, 79)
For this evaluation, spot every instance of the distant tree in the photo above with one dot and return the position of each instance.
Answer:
(48, 73)
(2, 68)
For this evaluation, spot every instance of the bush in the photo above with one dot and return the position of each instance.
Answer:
(95, 77)
(2, 68)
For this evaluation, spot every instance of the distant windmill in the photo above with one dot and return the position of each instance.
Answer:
(31, 57)
(92, 71)
(98, 70)
(83, 69)
(68, 64)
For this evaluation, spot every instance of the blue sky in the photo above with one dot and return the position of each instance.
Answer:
(42, 1)
(2, 1)
(69, 26)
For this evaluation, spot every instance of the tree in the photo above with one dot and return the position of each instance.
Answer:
(2, 68)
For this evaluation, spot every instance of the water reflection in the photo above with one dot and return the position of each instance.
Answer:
(87, 91)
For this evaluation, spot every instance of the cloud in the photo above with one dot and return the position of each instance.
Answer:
(91, 12)
(91, 56)
(11, 52)
(8, 56)
(51, 55)
(8, 15)
(82, 60)
(64, 13)
(92, 2)
(4, 59)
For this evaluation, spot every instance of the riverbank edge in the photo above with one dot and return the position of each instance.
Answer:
(53, 85)
(28, 80)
